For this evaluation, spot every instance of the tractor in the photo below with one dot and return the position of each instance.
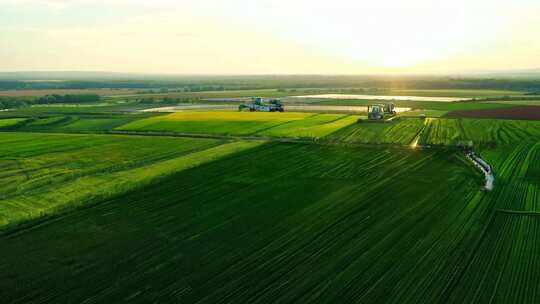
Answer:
(259, 105)
(378, 112)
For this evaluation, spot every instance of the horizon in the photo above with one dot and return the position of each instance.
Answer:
(480, 73)
(269, 38)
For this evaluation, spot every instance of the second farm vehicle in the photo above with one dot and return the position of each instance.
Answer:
(379, 112)
(259, 105)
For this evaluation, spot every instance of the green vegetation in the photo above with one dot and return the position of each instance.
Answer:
(402, 131)
(56, 98)
(207, 236)
(12, 102)
(75, 80)
(518, 171)
(244, 123)
(94, 124)
(481, 132)
(213, 122)
(315, 126)
(71, 121)
(504, 265)
(42, 173)
(10, 122)
(291, 208)
(80, 109)
(85, 123)
(219, 94)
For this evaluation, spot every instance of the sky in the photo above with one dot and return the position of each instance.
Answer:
(270, 36)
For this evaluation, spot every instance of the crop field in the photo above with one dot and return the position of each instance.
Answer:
(401, 132)
(290, 208)
(42, 173)
(482, 132)
(244, 123)
(357, 241)
(115, 108)
(505, 265)
(9, 122)
(204, 122)
(72, 123)
(518, 171)
(84, 123)
(315, 126)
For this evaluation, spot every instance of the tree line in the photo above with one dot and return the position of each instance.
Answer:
(18, 102)
(222, 83)
(79, 98)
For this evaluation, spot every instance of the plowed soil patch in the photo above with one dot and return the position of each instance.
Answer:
(519, 112)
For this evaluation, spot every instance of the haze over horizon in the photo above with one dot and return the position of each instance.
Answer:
(269, 37)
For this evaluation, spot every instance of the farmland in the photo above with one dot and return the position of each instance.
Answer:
(401, 132)
(269, 152)
(481, 132)
(9, 122)
(236, 207)
(75, 120)
(43, 173)
(235, 123)
(358, 241)
(518, 168)
(355, 243)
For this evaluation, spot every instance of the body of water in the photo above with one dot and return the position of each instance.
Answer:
(381, 97)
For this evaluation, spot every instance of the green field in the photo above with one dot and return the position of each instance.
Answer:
(315, 126)
(481, 132)
(518, 170)
(82, 122)
(402, 132)
(241, 207)
(40, 110)
(9, 122)
(289, 124)
(202, 236)
(43, 173)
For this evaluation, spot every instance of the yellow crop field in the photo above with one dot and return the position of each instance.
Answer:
(234, 116)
